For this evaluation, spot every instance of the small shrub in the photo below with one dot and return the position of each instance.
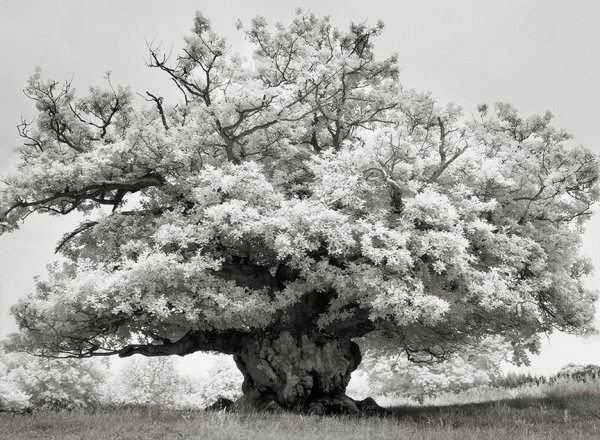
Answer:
(12, 398)
(59, 384)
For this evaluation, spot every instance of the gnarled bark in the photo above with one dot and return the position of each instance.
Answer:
(307, 373)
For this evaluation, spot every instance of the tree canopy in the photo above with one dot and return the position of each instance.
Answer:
(300, 195)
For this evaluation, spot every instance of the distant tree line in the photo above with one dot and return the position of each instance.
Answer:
(28, 383)
(578, 373)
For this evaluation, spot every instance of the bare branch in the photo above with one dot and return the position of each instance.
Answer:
(158, 100)
(83, 227)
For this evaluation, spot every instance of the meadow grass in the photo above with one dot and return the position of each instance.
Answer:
(565, 410)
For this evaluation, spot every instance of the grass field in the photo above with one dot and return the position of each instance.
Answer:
(566, 410)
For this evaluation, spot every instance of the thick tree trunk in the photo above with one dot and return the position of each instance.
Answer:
(304, 374)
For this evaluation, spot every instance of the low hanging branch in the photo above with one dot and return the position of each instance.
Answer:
(224, 342)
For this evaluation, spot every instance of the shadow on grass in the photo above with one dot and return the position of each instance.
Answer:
(528, 411)
(404, 411)
(520, 410)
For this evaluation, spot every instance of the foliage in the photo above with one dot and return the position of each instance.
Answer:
(301, 189)
(393, 375)
(157, 382)
(59, 384)
(579, 372)
(27, 383)
(12, 398)
(516, 380)
(146, 382)
(223, 379)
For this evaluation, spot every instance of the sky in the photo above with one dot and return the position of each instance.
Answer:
(536, 54)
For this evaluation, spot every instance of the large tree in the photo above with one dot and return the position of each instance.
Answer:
(291, 205)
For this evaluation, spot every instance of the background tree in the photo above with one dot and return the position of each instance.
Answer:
(291, 203)
(54, 384)
(579, 372)
(392, 374)
(222, 381)
(12, 397)
(147, 382)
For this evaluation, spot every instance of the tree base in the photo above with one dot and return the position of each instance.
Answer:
(340, 404)
(305, 373)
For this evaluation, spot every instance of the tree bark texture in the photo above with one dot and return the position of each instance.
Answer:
(307, 373)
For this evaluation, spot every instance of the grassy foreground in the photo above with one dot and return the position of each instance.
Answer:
(563, 411)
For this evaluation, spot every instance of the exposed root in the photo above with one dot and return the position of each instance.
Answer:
(326, 405)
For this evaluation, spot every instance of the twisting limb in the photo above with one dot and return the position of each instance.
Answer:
(91, 192)
(158, 100)
(395, 190)
(83, 227)
(224, 342)
(22, 129)
(49, 104)
(442, 149)
(89, 225)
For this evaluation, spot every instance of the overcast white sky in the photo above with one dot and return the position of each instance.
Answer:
(536, 54)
